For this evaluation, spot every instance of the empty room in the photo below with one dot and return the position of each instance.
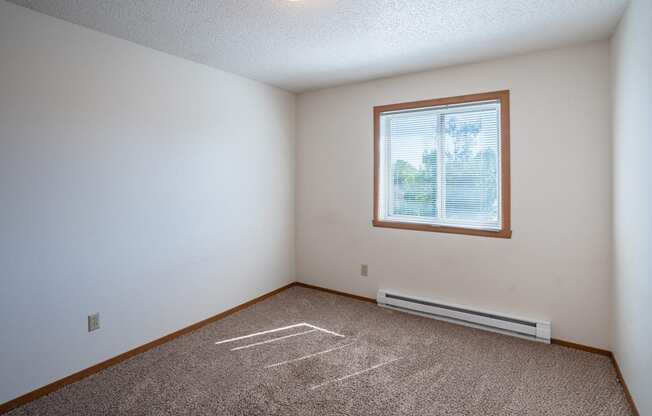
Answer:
(326, 207)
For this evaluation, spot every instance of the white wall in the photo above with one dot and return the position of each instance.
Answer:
(153, 190)
(557, 266)
(632, 86)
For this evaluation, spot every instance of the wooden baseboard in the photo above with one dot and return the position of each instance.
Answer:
(33, 395)
(336, 292)
(621, 379)
(580, 347)
(47, 389)
(612, 357)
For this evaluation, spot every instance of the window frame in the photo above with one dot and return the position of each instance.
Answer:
(505, 229)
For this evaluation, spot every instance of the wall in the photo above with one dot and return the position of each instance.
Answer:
(557, 264)
(153, 190)
(632, 86)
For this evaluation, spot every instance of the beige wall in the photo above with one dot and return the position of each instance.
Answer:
(153, 190)
(632, 86)
(556, 266)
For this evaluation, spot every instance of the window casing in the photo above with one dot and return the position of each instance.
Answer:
(443, 165)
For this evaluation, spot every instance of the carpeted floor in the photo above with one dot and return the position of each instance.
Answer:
(352, 358)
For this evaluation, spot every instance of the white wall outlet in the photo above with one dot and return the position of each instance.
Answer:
(93, 322)
(364, 270)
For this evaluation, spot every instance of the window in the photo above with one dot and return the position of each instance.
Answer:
(443, 165)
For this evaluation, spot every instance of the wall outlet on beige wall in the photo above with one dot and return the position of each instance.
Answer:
(93, 322)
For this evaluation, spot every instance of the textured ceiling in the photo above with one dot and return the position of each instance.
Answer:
(309, 44)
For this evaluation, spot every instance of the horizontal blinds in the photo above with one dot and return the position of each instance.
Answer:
(470, 171)
(413, 168)
(442, 166)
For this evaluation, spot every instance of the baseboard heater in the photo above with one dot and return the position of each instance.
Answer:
(490, 321)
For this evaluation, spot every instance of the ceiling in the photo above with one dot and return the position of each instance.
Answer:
(309, 44)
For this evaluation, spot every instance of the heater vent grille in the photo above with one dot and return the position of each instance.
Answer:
(495, 322)
(458, 309)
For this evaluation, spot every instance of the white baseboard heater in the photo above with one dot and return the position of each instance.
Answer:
(490, 321)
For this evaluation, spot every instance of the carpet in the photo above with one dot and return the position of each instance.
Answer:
(306, 352)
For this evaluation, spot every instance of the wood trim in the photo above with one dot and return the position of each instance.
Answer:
(468, 98)
(336, 292)
(56, 385)
(580, 347)
(505, 176)
(612, 357)
(621, 379)
(450, 230)
(505, 157)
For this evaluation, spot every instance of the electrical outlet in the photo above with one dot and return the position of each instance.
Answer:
(364, 270)
(93, 322)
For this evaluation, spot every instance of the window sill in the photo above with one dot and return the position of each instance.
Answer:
(441, 229)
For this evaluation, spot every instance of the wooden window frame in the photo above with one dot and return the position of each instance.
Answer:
(505, 229)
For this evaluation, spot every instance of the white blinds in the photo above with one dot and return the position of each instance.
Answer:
(441, 166)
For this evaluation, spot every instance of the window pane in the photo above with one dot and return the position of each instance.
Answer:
(413, 171)
(470, 149)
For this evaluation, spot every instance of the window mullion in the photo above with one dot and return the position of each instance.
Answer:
(440, 183)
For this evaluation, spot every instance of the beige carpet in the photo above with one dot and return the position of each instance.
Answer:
(349, 358)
